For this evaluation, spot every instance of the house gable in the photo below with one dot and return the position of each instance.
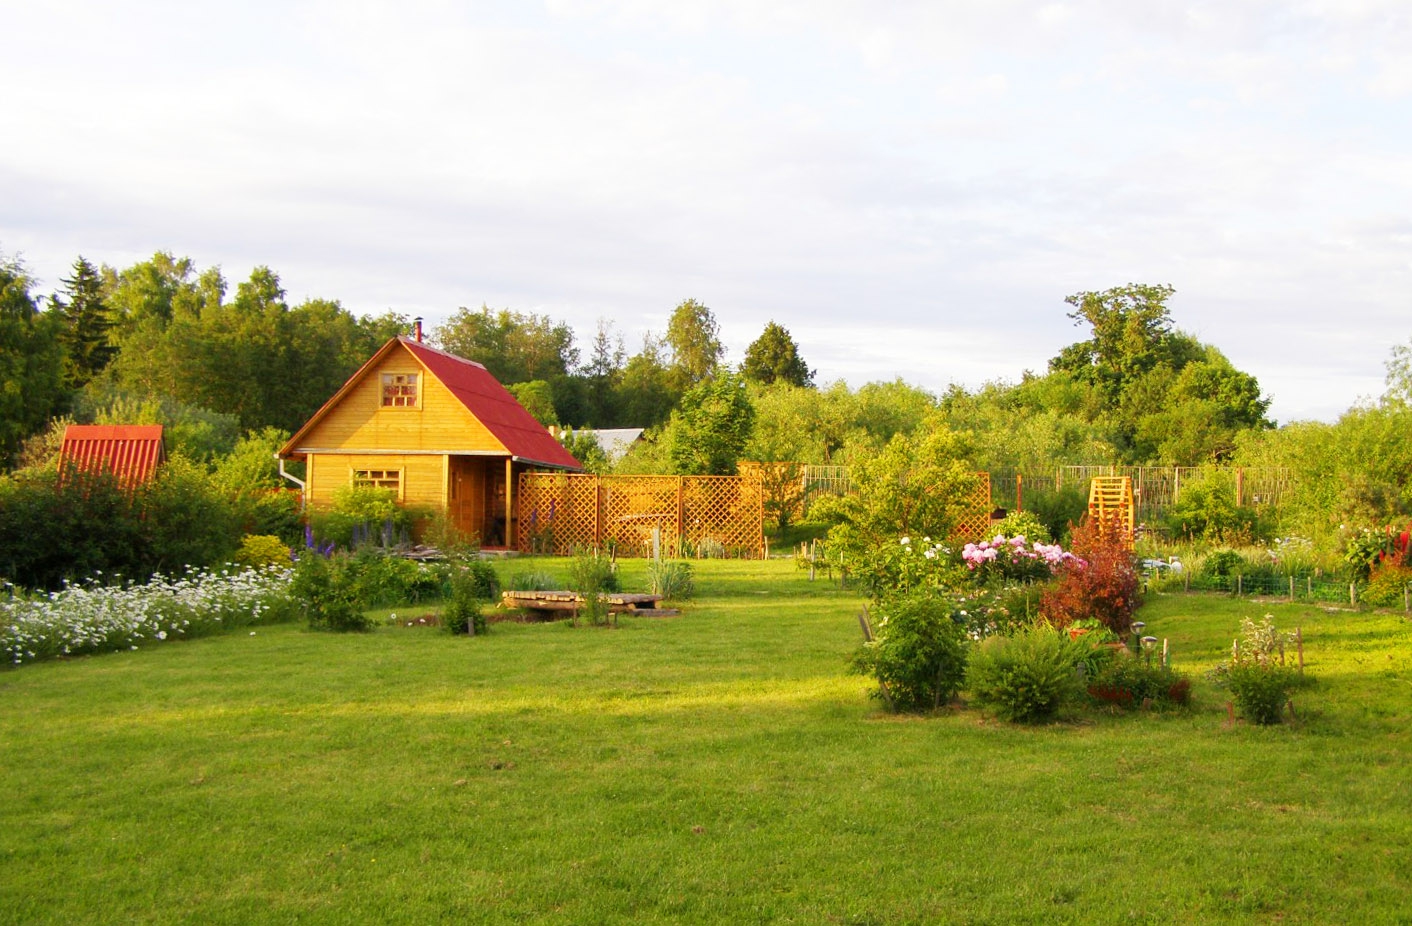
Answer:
(355, 419)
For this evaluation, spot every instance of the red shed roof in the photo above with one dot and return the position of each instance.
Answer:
(131, 452)
(482, 395)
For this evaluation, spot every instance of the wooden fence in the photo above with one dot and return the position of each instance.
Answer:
(720, 516)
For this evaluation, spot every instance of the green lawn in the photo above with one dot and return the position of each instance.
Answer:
(717, 767)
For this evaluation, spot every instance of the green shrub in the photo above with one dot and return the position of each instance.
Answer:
(592, 576)
(1024, 678)
(473, 585)
(1260, 690)
(1057, 509)
(1022, 524)
(1258, 679)
(1129, 681)
(1386, 585)
(325, 588)
(1207, 510)
(1222, 563)
(919, 653)
(670, 579)
(261, 550)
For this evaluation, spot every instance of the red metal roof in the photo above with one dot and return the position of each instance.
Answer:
(493, 406)
(131, 452)
(481, 394)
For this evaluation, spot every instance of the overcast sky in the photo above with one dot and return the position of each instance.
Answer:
(910, 188)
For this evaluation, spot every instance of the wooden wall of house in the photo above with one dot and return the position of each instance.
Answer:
(438, 423)
(424, 479)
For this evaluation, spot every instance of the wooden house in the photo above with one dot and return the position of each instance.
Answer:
(437, 429)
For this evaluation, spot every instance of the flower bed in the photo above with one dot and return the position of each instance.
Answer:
(92, 618)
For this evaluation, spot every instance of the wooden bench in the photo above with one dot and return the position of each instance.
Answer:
(547, 605)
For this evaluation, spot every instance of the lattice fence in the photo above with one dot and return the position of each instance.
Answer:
(1110, 503)
(975, 523)
(693, 515)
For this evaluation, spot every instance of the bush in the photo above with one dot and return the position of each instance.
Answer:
(1258, 679)
(325, 588)
(672, 580)
(1207, 510)
(1260, 690)
(260, 550)
(1103, 585)
(1023, 524)
(1223, 563)
(1128, 682)
(473, 584)
(1385, 586)
(919, 654)
(1057, 509)
(593, 576)
(1024, 678)
(533, 582)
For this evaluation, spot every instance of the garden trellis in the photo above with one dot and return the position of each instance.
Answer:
(685, 515)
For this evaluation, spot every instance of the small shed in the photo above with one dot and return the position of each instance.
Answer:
(131, 452)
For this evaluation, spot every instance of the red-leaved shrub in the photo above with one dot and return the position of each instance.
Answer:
(1103, 587)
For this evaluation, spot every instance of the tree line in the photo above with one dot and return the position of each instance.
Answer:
(165, 341)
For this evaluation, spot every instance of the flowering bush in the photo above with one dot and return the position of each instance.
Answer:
(1015, 559)
(91, 618)
(1257, 676)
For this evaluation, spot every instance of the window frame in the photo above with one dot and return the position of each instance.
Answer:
(377, 479)
(400, 386)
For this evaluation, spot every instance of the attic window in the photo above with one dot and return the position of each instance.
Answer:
(379, 479)
(399, 390)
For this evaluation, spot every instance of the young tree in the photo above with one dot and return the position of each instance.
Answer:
(710, 428)
(695, 340)
(84, 334)
(773, 357)
(647, 391)
(31, 362)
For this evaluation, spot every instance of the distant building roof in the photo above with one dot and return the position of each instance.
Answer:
(615, 441)
(131, 452)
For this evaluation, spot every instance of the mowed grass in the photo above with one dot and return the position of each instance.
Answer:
(717, 767)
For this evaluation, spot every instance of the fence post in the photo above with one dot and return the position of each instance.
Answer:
(1406, 598)
(1240, 584)
(1309, 587)
(1353, 594)
(1291, 589)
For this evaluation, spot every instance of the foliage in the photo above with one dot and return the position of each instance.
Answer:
(1058, 509)
(1207, 510)
(473, 584)
(325, 587)
(1256, 674)
(1102, 584)
(1386, 586)
(916, 487)
(592, 576)
(85, 324)
(585, 448)
(1027, 677)
(362, 515)
(516, 347)
(1223, 563)
(31, 362)
(537, 398)
(262, 550)
(1130, 681)
(56, 526)
(1364, 550)
(919, 653)
(532, 581)
(187, 430)
(709, 429)
(672, 579)
(773, 357)
(1025, 524)
(93, 618)
(695, 340)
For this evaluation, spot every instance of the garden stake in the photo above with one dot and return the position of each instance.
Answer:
(1406, 598)
(1353, 594)
(1164, 652)
(1239, 584)
(1308, 586)
(1299, 648)
(1230, 713)
(1291, 589)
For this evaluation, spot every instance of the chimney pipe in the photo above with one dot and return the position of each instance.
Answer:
(417, 330)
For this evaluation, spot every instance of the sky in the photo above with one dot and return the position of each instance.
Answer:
(911, 188)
